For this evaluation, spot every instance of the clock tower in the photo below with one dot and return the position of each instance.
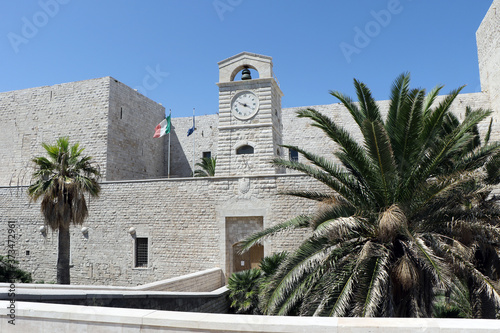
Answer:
(250, 123)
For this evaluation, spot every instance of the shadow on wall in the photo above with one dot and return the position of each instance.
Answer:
(179, 164)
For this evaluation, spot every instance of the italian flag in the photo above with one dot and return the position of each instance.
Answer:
(162, 128)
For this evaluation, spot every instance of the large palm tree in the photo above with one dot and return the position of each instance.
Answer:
(62, 180)
(410, 215)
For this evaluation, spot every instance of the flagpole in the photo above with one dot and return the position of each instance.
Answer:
(194, 128)
(170, 115)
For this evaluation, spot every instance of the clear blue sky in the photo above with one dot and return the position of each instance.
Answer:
(169, 49)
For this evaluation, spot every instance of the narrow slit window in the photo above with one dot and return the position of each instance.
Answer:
(141, 252)
(246, 149)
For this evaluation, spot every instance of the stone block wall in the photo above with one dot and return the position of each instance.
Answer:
(132, 152)
(42, 114)
(262, 132)
(181, 146)
(204, 281)
(111, 121)
(299, 132)
(488, 49)
(184, 221)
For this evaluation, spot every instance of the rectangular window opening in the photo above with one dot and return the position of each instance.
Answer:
(141, 252)
(207, 154)
(294, 155)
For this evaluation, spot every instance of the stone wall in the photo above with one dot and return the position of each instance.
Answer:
(38, 317)
(183, 219)
(299, 132)
(488, 49)
(213, 302)
(42, 114)
(132, 152)
(262, 131)
(181, 154)
(111, 121)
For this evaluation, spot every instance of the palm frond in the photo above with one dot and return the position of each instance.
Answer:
(399, 94)
(367, 104)
(373, 286)
(380, 151)
(291, 273)
(300, 221)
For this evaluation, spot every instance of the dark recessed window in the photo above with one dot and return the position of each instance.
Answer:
(246, 149)
(207, 154)
(141, 252)
(293, 155)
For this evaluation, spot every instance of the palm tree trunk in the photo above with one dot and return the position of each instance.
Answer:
(63, 276)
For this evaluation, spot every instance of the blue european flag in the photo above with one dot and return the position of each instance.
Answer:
(191, 130)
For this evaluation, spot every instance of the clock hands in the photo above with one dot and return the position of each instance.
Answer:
(244, 105)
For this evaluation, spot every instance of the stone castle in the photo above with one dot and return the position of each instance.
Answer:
(146, 226)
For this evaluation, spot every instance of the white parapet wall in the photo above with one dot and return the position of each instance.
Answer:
(39, 317)
(203, 281)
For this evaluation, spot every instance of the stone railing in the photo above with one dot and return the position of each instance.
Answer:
(197, 292)
(38, 317)
(203, 281)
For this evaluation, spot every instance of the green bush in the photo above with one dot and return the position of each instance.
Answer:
(9, 272)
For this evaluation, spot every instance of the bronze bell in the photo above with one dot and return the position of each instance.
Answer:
(245, 74)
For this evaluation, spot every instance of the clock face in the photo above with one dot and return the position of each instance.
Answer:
(245, 105)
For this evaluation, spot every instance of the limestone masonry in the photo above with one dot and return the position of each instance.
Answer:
(147, 227)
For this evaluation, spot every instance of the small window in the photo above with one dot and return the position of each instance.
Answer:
(141, 252)
(244, 150)
(207, 154)
(293, 155)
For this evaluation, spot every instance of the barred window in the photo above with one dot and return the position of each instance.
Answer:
(141, 252)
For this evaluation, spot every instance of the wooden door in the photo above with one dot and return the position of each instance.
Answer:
(247, 260)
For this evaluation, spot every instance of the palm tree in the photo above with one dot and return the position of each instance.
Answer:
(244, 291)
(409, 215)
(61, 180)
(207, 166)
(245, 286)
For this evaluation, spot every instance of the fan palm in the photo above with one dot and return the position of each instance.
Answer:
(61, 180)
(245, 286)
(409, 214)
(207, 166)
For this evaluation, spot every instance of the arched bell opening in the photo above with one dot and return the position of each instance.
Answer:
(244, 72)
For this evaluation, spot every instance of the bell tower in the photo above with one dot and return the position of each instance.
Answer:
(250, 126)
